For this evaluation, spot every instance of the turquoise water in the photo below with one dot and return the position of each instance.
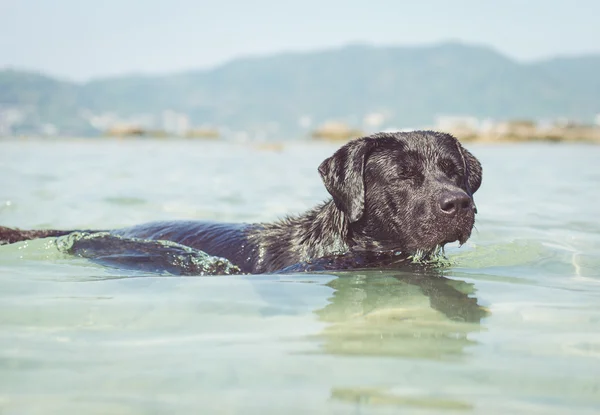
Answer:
(511, 325)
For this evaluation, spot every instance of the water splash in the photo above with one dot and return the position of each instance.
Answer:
(433, 257)
(155, 256)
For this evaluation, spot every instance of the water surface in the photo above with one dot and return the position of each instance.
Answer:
(512, 325)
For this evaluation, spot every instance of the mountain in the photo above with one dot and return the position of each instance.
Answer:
(406, 86)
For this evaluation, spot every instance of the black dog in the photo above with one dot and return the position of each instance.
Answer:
(409, 192)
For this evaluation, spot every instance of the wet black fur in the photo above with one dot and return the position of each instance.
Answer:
(387, 192)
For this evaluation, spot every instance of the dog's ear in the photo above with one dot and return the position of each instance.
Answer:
(474, 170)
(343, 175)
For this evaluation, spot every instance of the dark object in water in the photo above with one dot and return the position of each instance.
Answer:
(144, 255)
(408, 192)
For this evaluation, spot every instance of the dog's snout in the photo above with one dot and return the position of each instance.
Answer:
(451, 203)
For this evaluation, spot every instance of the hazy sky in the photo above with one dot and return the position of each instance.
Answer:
(80, 39)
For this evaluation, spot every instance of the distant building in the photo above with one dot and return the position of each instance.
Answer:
(374, 120)
(336, 131)
(175, 122)
(10, 117)
(457, 122)
(305, 121)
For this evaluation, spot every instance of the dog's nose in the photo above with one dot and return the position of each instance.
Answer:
(451, 203)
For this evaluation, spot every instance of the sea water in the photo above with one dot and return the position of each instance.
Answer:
(510, 325)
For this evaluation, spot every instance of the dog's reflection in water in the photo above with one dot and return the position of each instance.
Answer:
(414, 314)
(407, 313)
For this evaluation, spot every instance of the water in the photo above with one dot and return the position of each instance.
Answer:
(511, 326)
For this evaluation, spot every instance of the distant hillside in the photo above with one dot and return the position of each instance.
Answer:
(287, 94)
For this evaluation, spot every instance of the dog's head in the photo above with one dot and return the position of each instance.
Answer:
(405, 191)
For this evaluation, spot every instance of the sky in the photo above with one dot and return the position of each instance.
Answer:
(84, 39)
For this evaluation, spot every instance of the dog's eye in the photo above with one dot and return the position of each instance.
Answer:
(452, 174)
(400, 179)
(449, 169)
(403, 176)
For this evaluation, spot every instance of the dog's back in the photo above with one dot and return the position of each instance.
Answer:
(227, 240)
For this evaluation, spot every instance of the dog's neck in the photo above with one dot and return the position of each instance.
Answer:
(320, 232)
